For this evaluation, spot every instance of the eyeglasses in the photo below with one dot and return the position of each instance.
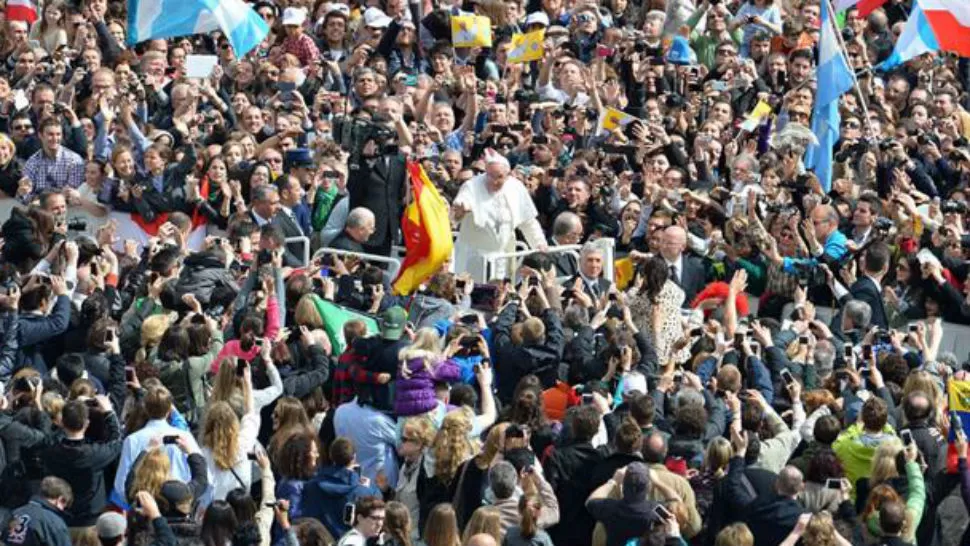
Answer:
(22, 127)
(725, 52)
(224, 47)
(274, 159)
(851, 125)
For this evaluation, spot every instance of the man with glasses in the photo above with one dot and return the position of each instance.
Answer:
(369, 520)
(825, 242)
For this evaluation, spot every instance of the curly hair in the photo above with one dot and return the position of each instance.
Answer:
(220, 433)
(820, 530)
(294, 460)
(451, 446)
(150, 472)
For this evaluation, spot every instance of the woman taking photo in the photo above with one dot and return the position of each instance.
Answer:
(451, 448)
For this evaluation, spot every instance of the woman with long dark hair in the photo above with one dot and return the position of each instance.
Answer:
(218, 524)
(657, 308)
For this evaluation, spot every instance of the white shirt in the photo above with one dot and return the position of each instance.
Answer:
(678, 268)
(224, 481)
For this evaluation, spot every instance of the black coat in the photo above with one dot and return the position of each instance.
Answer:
(22, 246)
(381, 188)
(202, 272)
(771, 519)
(693, 277)
(82, 463)
(568, 472)
(37, 523)
(513, 362)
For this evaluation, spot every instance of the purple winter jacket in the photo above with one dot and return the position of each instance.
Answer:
(414, 395)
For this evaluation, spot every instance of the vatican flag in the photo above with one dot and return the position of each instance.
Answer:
(471, 31)
(527, 47)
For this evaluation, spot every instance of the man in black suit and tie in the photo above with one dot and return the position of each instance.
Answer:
(687, 271)
(291, 195)
(567, 229)
(265, 210)
(590, 275)
(376, 181)
(868, 287)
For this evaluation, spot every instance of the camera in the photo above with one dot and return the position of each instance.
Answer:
(809, 275)
(352, 133)
(882, 224)
(953, 207)
(77, 224)
(526, 95)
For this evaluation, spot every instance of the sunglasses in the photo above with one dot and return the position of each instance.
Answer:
(25, 127)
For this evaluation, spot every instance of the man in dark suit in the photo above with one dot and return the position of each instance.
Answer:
(567, 229)
(376, 181)
(590, 275)
(687, 271)
(291, 195)
(359, 228)
(868, 287)
(265, 211)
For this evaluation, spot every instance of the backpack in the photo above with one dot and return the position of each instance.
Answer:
(175, 376)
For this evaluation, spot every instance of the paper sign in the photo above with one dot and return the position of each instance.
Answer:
(20, 100)
(200, 66)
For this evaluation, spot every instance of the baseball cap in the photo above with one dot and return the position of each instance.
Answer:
(393, 322)
(537, 18)
(338, 7)
(111, 525)
(294, 17)
(375, 18)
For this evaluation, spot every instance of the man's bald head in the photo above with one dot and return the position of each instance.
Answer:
(481, 539)
(826, 220)
(655, 449)
(789, 482)
(673, 243)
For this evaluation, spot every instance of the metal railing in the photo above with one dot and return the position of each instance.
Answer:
(491, 260)
(394, 263)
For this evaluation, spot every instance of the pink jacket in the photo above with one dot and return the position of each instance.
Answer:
(232, 348)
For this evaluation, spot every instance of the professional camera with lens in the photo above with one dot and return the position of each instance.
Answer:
(526, 95)
(353, 133)
(77, 224)
(809, 274)
(953, 207)
(882, 224)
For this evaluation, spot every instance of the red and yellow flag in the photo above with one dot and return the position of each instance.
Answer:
(427, 233)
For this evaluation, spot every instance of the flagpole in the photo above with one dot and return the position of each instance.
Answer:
(855, 80)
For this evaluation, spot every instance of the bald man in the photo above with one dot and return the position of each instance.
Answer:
(481, 539)
(825, 242)
(683, 268)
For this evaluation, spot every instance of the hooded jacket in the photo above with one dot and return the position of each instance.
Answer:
(415, 384)
(425, 311)
(568, 471)
(326, 495)
(37, 523)
(35, 330)
(202, 272)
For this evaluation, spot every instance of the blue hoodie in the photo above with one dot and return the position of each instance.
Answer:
(330, 490)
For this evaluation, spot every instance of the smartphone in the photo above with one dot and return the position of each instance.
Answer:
(907, 437)
(355, 469)
(803, 340)
(109, 335)
(241, 368)
(864, 371)
(587, 399)
(170, 440)
(913, 328)
(833, 483)
(251, 456)
(459, 284)
(604, 51)
(517, 127)
(129, 374)
(847, 351)
(533, 281)
(348, 515)
(662, 512)
(738, 341)
(787, 377)
(841, 374)
(697, 332)
(678, 378)
(271, 504)
(866, 352)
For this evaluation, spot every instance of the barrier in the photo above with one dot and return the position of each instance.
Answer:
(491, 261)
(305, 241)
(393, 262)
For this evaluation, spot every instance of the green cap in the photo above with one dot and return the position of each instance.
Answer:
(393, 322)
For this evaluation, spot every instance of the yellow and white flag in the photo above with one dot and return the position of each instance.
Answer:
(612, 119)
(471, 31)
(753, 119)
(527, 47)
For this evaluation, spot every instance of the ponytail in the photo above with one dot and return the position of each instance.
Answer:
(529, 506)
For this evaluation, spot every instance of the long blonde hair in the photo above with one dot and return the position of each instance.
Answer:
(451, 446)
(426, 346)
(227, 386)
(150, 473)
(485, 520)
(6, 142)
(717, 456)
(884, 462)
(220, 433)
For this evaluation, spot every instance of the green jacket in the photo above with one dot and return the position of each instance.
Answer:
(855, 449)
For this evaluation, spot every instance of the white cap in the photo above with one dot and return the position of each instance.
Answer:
(294, 17)
(375, 18)
(339, 7)
(537, 18)
(634, 382)
(493, 157)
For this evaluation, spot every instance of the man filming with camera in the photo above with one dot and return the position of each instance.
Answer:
(377, 182)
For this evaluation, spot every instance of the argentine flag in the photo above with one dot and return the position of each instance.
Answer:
(916, 39)
(834, 79)
(158, 19)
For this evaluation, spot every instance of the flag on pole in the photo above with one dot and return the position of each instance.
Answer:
(527, 47)
(958, 393)
(427, 232)
(753, 119)
(335, 316)
(21, 10)
(623, 271)
(471, 31)
(611, 119)
(834, 78)
(152, 19)
(933, 25)
(865, 7)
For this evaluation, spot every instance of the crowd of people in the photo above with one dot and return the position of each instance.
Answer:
(671, 378)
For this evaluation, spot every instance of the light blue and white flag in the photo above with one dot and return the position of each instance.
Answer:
(916, 39)
(158, 19)
(834, 79)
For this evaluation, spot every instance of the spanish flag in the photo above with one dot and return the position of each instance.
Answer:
(623, 272)
(754, 118)
(613, 119)
(427, 233)
(527, 47)
(471, 31)
(959, 395)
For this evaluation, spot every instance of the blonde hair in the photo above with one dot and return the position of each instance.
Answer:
(227, 386)
(422, 427)
(493, 444)
(426, 346)
(152, 330)
(451, 446)
(5, 141)
(150, 473)
(306, 313)
(717, 456)
(884, 462)
(220, 433)
(820, 530)
(736, 534)
(485, 519)
(923, 381)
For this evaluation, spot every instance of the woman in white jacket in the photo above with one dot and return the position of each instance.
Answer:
(227, 441)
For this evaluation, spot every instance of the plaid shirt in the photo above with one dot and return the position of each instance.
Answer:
(302, 47)
(66, 169)
(347, 373)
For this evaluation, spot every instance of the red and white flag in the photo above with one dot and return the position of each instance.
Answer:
(865, 7)
(21, 10)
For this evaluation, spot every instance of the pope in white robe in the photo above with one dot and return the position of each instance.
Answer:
(490, 207)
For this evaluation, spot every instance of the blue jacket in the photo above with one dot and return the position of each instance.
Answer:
(36, 330)
(37, 523)
(331, 489)
(833, 249)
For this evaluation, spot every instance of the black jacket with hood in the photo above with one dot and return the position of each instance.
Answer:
(513, 362)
